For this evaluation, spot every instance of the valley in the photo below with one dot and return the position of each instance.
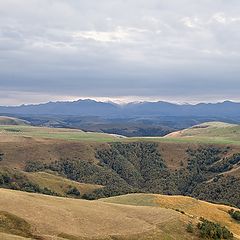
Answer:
(119, 120)
(96, 170)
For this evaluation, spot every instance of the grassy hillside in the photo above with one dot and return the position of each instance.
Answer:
(12, 121)
(209, 172)
(48, 217)
(67, 162)
(44, 182)
(210, 132)
(60, 185)
(17, 152)
(19, 132)
(189, 206)
(203, 171)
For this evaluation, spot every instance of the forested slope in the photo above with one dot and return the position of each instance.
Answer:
(140, 167)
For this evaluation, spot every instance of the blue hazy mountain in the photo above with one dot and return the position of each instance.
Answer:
(108, 109)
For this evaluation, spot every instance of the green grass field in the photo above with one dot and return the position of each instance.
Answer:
(209, 133)
(199, 139)
(56, 133)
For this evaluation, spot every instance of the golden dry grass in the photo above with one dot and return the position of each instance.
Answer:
(51, 217)
(59, 184)
(174, 154)
(18, 152)
(176, 157)
(197, 208)
(5, 236)
(192, 208)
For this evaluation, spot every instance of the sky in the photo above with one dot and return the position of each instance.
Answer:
(121, 50)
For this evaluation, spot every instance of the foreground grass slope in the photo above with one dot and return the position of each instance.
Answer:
(62, 218)
(188, 206)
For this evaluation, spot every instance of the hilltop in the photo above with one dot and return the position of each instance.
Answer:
(4, 120)
(21, 133)
(218, 132)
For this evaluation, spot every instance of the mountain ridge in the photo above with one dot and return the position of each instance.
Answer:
(89, 107)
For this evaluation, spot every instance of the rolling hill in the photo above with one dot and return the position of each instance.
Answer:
(59, 184)
(22, 132)
(209, 132)
(121, 165)
(4, 120)
(61, 218)
(218, 132)
(47, 217)
(69, 163)
(191, 207)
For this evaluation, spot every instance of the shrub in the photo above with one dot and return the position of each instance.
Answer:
(234, 214)
(190, 228)
(34, 166)
(73, 191)
(211, 230)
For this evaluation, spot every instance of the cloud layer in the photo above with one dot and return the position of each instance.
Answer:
(168, 49)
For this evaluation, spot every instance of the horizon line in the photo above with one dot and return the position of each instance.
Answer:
(122, 103)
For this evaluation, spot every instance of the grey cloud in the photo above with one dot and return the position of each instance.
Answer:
(170, 49)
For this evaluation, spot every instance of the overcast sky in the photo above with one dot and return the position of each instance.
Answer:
(176, 50)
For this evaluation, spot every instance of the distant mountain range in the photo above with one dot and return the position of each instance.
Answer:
(135, 109)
